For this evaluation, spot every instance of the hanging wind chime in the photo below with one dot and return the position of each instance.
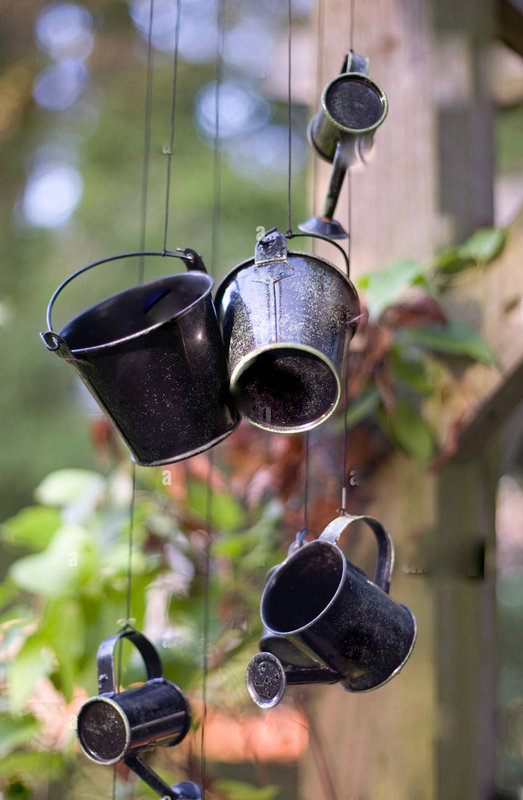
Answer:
(176, 371)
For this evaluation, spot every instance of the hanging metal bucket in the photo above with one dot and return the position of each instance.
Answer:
(287, 319)
(153, 358)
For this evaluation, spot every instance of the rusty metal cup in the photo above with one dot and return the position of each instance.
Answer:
(153, 358)
(118, 726)
(347, 627)
(287, 319)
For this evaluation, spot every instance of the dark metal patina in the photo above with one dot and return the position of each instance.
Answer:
(118, 726)
(287, 320)
(352, 107)
(153, 358)
(343, 626)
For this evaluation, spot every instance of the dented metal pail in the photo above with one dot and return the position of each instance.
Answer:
(287, 319)
(153, 358)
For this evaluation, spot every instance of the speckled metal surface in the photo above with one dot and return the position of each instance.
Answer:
(115, 724)
(153, 358)
(287, 319)
(331, 612)
(119, 726)
(352, 107)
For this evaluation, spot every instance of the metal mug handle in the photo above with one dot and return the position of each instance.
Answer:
(385, 561)
(105, 659)
(54, 342)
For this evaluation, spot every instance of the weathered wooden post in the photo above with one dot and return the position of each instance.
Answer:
(429, 734)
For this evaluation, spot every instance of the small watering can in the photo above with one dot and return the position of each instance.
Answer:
(153, 358)
(118, 726)
(325, 621)
(287, 319)
(352, 107)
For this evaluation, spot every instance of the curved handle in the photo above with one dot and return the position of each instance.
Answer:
(385, 560)
(105, 659)
(191, 258)
(311, 235)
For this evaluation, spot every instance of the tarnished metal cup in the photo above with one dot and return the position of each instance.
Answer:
(346, 626)
(118, 726)
(287, 319)
(153, 358)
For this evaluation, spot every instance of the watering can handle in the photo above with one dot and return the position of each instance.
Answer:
(53, 340)
(385, 561)
(355, 63)
(105, 659)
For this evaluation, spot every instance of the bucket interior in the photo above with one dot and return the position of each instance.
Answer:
(102, 731)
(354, 103)
(301, 589)
(135, 310)
(286, 388)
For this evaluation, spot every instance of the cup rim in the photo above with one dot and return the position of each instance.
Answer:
(363, 79)
(299, 554)
(89, 753)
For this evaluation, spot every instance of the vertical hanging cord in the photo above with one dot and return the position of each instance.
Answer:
(215, 231)
(319, 78)
(146, 141)
(169, 151)
(345, 477)
(306, 487)
(289, 115)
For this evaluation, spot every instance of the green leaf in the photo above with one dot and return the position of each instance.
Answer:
(412, 432)
(32, 527)
(386, 286)
(237, 790)
(16, 731)
(33, 661)
(62, 627)
(410, 369)
(484, 245)
(62, 568)
(452, 261)
(455, 338)
(226, 512)
(76, 491)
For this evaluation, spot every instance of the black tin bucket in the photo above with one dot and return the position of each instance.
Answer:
(287, 319)
(153, 358)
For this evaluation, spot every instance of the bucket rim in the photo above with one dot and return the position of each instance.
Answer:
(115, 342)
(322, 262)
(244, 363)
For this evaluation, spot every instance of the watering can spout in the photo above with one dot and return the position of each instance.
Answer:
(267, 678)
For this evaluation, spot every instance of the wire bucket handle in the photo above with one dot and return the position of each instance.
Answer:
(54, 342)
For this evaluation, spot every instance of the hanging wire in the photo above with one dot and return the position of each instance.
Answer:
(345, 477)
(289, 114)
(169, 150)
(146, 141)
(319, 82)
(215, 236)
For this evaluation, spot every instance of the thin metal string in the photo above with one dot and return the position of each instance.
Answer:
(146, 142)
(345, 477)
(306, 485)
(319, 79)
(289, 115)
(172, 121)
(215, 234)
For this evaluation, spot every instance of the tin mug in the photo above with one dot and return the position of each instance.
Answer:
(346, 625)
(118, 726)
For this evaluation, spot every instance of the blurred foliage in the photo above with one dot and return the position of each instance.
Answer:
(66, 555)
